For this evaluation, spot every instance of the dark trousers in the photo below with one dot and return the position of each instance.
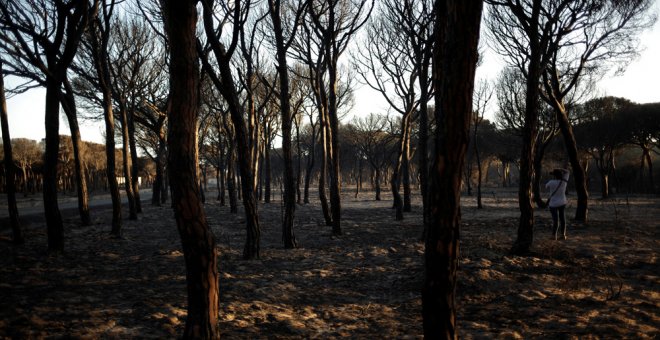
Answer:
(558, 214)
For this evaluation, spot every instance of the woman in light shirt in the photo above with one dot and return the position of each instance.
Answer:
(557, 200)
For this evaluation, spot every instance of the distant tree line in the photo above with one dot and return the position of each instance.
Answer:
(28, 163)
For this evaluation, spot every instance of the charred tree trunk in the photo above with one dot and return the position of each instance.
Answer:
(128, 165)
(407, 205)
(377, 184)
(51, 207)
(324, 169)
(579, 176)
(135, 175)
(10, 186)
(288, 236)
(299, 169)
(525, 235)
(69, 105)
(267, 173)
(538, 170)
(103, 73)
(196, 237)
(231, 180)
(456, 54)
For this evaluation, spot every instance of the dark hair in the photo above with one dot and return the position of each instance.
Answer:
(557, 173)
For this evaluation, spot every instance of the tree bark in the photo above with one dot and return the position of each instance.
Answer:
(128, 165)
(69, 105)
(51, 207)
(103, 73)
(288, 236)
(10, 186)
(324, 168)
(579, 176)
(456, 54)
(135, 179)
(196, 237)
(525, 234)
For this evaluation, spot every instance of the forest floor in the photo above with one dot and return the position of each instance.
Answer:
(602, 282)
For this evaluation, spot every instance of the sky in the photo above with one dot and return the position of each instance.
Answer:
(639, 83)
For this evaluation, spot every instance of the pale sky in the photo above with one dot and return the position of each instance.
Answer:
(639, 83)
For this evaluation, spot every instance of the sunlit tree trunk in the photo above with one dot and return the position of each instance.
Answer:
(456, 55)
(196, 237)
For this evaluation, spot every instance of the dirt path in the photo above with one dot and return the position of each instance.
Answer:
(603, 281)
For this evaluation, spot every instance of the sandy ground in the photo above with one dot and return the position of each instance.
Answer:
(603, 282)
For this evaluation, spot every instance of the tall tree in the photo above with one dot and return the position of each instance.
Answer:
(45, 34)
(99, 39)
(456, 56)
(387, 66)
(512, 22)
(196, 237)
(224, 82)
(282, 45)
(14, 222)
(594, 35)
(335, 23)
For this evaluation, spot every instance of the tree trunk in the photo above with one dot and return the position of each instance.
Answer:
(377, 184)
(525, 234)
(267, 172)
(69, 105)
(51, 207)
(422, 145)
(333, 135)
(135, 176)
(407, 205)
(196, 237)
(231, 180)
(288, 236)
(457, 35)
(324, 169)
(17, 235)
(538, 170)
(128, 165)
(299, 199)
(578, 172)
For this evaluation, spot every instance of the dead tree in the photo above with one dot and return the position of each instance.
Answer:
(197, 240)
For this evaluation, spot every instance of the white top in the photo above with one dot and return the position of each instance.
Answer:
(559, 197)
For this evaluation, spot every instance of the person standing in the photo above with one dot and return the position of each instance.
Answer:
(557, 200)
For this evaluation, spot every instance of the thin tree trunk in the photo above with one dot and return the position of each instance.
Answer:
(579, 176)
(268, 172)
(288, 236)
(128, 165)
(135, 176)
(10, 186)
(525, 235)
(69, 105)
(407, 205)
(323, 170)
(196, 237)
(51, 208)
(103, 73)
(377, 184)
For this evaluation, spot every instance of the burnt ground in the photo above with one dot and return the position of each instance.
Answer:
(603, 282)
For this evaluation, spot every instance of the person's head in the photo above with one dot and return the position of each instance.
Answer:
(557, 173)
